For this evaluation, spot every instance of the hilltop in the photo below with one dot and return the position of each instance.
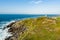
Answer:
(41, 28)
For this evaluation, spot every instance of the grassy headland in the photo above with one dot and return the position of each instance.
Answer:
(41, 28)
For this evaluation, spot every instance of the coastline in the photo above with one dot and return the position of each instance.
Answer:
(14, 29)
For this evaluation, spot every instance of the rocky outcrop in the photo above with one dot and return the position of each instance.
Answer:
(15, 31)
(34, 29)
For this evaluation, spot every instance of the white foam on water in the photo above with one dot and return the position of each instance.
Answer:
(4, 33)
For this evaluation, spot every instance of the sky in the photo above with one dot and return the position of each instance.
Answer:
(30, 6)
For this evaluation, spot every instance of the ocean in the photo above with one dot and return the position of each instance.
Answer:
(6, 19)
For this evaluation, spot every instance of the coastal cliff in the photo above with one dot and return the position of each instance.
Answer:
(41, 28)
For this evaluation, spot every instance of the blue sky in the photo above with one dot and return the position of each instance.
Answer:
(30, 6)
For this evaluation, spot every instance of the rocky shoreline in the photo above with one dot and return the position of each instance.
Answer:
(14, 31)
(21, 29)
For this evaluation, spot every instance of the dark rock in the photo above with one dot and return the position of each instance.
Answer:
(9, 38)
(10, 30)
(9, 25)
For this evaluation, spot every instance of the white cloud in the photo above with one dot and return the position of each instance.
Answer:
(36, 1)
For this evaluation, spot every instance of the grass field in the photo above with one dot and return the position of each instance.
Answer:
(41, 28)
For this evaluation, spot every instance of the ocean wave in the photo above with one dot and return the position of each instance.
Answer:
(4, 33)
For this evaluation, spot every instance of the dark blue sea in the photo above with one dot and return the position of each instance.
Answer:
(6, 19)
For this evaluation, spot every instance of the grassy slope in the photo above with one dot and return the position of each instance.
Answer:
(41, 28)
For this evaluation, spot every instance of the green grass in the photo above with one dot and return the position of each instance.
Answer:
(41, 28)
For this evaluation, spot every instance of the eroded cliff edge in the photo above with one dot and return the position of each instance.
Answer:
(41, 28)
